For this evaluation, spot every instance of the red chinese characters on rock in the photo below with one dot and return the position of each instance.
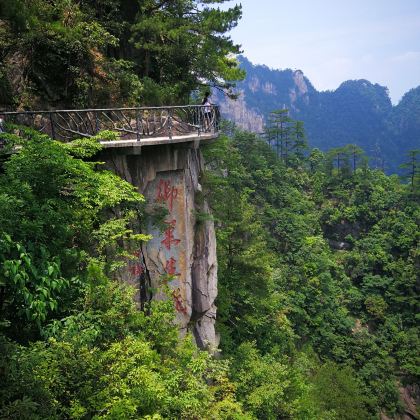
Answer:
(136, 270)
(170, 267)
(179, 304)
(169, 238)
(166, 193)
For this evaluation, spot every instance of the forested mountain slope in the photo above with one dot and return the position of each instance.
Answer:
(357, 112)
(319, 268)
(318, 291)
(318, 253)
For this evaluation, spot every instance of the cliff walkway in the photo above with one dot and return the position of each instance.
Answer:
(158, 152)
(134, 126)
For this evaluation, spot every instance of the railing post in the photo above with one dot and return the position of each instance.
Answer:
(216, 118)
(97, 127)
(214, 122)
(170, 123)
(137, 125)
(52, 126)
(199, 109)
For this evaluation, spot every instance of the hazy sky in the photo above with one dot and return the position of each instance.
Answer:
(335, 40)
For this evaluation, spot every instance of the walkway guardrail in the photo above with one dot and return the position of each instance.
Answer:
(129, 123)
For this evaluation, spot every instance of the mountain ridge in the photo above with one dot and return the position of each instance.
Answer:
(358, 111)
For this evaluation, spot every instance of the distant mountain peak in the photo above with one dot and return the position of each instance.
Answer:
(301, 88)
(358, 111)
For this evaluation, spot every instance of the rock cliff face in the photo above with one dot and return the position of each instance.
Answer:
(238, 111)
(183, 249)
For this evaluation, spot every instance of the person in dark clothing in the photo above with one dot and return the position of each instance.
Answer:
(2, 130)
(207, 111)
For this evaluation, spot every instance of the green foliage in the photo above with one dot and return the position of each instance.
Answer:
(89, 146)
(333, 249)
(115, 52)
(252, 311)
(112, 361)
(268, 387)
(54, 214)
(344, 397)
(30, 288)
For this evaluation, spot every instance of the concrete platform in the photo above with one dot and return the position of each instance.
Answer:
(157, 141)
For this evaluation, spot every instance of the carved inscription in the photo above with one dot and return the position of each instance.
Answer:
(170, 267)
(169, 238)
(178, 301)
(168, 194)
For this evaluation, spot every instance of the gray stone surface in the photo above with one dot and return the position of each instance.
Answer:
(184, 251)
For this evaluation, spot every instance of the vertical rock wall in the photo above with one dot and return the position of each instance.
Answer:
(183, 249)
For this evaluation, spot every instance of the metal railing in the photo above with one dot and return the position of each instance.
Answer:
(129, 123)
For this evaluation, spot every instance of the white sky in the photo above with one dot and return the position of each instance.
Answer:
(335, 40)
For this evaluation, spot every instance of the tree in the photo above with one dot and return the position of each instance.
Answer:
(54, 214)
(73, 344)
(181, 44)
(277, 132)
(114, 52)
(345, 397)
(339, 281)
(109, 360)
(413, 169)
(299, 144)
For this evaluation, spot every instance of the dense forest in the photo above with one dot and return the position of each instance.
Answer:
(318, 274)
(318, 291)
(318, 253)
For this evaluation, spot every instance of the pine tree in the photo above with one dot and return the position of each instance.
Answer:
(299, 144)
(413, 171)
(278, 132)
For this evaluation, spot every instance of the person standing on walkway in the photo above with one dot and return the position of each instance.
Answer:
(207, 108)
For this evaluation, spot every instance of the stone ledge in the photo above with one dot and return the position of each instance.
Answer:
(155, 141)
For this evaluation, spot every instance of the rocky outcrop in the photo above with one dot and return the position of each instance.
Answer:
(182, 251)
(238, 111)
(299, 90)
(410, 399)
